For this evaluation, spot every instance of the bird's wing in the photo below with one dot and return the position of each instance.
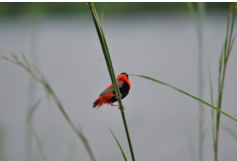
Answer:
(111, 89)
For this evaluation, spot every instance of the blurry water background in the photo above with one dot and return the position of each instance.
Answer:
(163, 123)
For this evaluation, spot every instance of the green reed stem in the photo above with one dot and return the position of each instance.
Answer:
(201, 8)
(198, 15)
(109, 64)
(212, 111)
(228, 44)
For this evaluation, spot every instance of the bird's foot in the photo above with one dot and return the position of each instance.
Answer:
(117, 106)
(114, 105)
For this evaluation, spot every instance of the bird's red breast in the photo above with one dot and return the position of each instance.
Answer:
(108, 95)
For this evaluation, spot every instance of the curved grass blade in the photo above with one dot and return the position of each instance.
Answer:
(37, 138)
(119, 145)
(185, 93)
(35, 73)
(109, 64)
(32, 109)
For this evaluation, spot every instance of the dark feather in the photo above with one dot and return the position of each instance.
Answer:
(124, 90)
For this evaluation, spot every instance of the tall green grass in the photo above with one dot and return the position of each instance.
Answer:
(200, 93)
(213, 127)
(31, 92)
(198, 17)
(223, 60)
(109, 64)
(227, 47)
(35, 73)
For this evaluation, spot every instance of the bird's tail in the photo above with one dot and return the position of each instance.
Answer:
(98, 102)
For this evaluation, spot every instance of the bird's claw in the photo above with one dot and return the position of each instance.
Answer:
(117, 106)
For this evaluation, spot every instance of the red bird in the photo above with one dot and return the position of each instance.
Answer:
(108, 95)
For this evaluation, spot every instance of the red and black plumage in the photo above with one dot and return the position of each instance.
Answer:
(108, 95)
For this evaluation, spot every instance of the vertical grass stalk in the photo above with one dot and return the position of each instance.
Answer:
(198, 16)
(228, 44)
(212, 111)
(105, 49)
(32, 89)
(201, 8)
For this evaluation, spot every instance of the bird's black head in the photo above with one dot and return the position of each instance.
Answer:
(125, 74)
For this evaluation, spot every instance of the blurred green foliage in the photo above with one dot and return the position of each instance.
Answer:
(52, 8)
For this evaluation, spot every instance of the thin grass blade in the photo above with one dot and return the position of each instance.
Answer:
(185, 93)
(119, 145)
(35, 134)
(32, 109)
(212, 111)
(222, 71)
